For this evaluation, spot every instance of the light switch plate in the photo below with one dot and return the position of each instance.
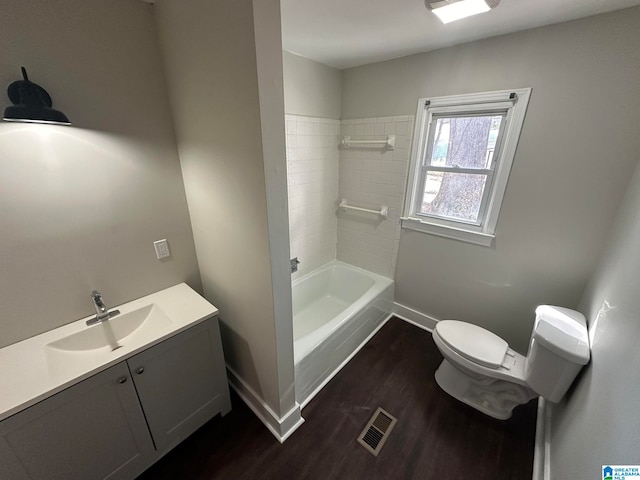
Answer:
(162, 248)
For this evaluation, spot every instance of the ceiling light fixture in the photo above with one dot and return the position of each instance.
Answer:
(31, 103)
(451, 10)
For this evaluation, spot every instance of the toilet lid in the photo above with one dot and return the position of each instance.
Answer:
(472, 342)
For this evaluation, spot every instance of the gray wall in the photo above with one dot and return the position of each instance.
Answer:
(231, 159)
(598, 423)
(81, 206)
(311, 88)
(576, 154)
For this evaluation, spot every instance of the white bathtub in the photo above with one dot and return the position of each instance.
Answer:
(336, 308)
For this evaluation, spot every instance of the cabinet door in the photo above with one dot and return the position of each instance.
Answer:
(181, 383)
(92, 430)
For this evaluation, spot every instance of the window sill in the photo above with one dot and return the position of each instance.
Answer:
(461, 234)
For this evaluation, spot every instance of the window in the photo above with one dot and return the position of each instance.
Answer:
(462, 154)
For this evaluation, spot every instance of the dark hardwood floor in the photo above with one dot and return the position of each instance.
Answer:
(436, 436)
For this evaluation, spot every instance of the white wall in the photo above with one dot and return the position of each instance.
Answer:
(311, 89)
(574, 159)
(234, 170)
(81, 206)
(268, 41)
(598, 423)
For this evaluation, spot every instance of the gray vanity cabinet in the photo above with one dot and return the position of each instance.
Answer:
(181, 383)
(118, 422)
(94, 429)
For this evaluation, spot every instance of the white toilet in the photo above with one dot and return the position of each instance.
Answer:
(481, 370)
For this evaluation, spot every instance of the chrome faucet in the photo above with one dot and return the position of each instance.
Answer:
(102, 312)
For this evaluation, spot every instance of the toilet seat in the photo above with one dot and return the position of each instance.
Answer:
(473, 342)
(480, 369)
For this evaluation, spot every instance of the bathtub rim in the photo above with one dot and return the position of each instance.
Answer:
(333, 263)
(302, 347)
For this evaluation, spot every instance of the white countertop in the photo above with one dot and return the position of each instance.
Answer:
(28, 376)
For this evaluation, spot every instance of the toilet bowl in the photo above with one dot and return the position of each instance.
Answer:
(481, 370)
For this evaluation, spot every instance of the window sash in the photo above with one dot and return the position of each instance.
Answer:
(452, 169)
(483, 202)
(425, 168)
(515, 103)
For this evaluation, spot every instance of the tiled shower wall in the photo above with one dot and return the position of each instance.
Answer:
(319, 175)
(369, 177)
(312, 177)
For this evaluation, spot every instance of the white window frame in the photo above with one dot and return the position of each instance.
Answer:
(482, 232)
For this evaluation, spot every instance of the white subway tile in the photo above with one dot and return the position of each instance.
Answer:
(402, 128)
(379, 129)
(368, 129)
(348, 129)
(319, 174)
(402, 142)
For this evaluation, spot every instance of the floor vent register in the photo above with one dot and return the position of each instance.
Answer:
(377, 431)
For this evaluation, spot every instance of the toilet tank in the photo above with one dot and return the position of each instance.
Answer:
(558, 349)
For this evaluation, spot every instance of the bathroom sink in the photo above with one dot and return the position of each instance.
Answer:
(43, 365)
(110, 335)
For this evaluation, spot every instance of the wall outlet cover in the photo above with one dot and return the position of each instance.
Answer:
(162, 248)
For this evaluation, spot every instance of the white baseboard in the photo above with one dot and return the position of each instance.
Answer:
(414, 317)
(541, 451)
(280, 427)
(547, 442)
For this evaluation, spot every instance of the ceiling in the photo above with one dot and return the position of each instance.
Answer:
(347, 33)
